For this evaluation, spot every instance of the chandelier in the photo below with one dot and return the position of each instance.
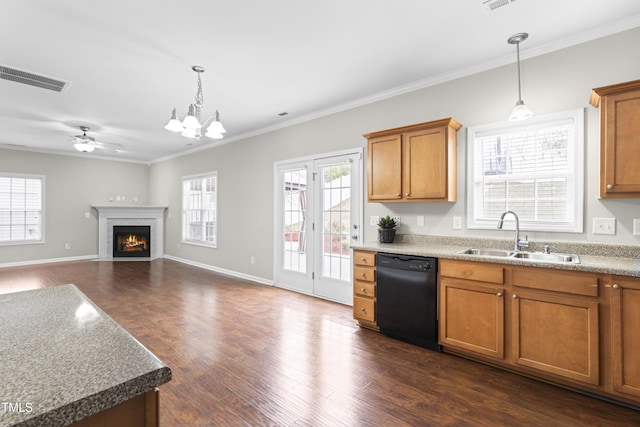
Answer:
(520, 111)
(191, 126)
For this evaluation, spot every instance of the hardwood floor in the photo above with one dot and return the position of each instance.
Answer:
(247, 354)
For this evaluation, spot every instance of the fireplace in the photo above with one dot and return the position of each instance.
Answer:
(131, 241)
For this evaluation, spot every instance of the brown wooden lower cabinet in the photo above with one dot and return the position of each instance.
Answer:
(576, 329)
(364, 288)
(625, 339)
(140, 411)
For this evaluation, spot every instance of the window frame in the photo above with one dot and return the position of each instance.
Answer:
(42, 179)
(200, 242)
(575, 183)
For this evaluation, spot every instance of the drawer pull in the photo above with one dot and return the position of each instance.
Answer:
(362, 274)
(362, 309)
(363, 290)
(363, 259)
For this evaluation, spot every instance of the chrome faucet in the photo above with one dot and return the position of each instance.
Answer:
(517, 242)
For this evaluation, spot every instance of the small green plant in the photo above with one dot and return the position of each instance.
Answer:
(387, 223)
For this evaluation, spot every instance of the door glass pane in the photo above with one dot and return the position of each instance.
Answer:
(294, 222)
(336, 221)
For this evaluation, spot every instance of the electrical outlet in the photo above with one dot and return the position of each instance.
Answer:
(457, 222)
(87, 215)
(67, 245)
(373, 220)
(397, 219)
(420, 220)
(636, 227)
(604, 226)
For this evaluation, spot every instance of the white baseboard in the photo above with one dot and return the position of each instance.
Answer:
(48, 261)
(221, 270)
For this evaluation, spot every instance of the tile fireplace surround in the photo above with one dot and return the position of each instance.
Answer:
(108, 216)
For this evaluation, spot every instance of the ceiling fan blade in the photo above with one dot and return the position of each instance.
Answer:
(108, 144)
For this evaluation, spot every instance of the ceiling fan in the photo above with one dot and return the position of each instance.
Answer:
(87, 144)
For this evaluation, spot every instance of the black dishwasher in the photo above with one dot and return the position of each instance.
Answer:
(407, 298)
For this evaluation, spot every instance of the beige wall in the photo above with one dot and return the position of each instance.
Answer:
(72, 185)
(553, 82)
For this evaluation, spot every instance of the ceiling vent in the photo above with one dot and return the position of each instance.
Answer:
(31, 79)
(494, 4)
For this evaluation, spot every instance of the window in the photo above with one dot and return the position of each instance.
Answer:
(199, 209)
(534, 168)
(21, 215)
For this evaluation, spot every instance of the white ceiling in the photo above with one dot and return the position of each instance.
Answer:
(129, 62)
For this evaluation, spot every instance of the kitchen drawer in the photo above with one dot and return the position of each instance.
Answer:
(364, 309)
(569, 282)
(365, 274)
(479, 271)
(364, 289)
(364, 258)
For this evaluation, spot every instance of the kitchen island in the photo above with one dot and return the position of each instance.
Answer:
(64, 361)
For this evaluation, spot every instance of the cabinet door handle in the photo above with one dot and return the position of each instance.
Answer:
(406, 194)
(610, 187)
(616, 286)
(514, 296)
(499, 294)
(398, 194)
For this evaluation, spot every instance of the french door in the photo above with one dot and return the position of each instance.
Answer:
(318, 216)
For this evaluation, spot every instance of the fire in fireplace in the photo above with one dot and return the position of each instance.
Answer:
(131, 241)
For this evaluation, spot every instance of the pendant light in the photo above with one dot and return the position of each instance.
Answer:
(520, 111)
(191, 127)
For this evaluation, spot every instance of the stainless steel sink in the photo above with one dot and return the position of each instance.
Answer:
(526, 256)
(487, 252)
(538, 256)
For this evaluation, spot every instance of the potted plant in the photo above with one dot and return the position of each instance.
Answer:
(386, 229)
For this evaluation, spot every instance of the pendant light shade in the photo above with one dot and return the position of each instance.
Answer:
(191, 121)
(174, 124)
(520, 111)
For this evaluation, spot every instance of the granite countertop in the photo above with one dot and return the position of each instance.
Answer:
(621, 260)
(63, 359)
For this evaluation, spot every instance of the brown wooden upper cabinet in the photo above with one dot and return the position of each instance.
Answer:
(414, 163)
(619, 139)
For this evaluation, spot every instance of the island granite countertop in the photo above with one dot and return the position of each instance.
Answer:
(63, 359)
(623, 260)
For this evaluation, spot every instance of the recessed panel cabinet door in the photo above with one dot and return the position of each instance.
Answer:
(556, 334)
(385, 168)
(472, 317)
(622, 144)
(625, 321)
(425, 159)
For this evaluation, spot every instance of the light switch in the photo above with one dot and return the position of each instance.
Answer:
(457, 222)
(604, 226)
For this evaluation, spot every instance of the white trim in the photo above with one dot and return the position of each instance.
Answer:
(48, 261)
(232, 273)
(577, 189)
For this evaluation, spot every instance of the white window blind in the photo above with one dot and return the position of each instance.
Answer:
(21, 214)
(534, 168)
(199, 204)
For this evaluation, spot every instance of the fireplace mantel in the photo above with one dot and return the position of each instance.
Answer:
(111, 215)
